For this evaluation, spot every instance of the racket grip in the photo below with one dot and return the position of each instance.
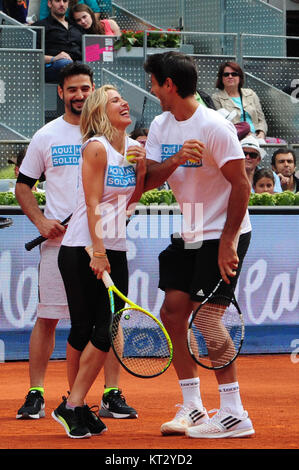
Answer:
(38, 240)
(107, 279)
(35, 242)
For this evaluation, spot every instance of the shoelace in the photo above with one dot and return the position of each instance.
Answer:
(30, 399)
(183, 411)
(220, 413)
(93, 409)
(117, 396)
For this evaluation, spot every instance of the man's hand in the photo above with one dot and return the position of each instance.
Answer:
(284, 181)
(191, 150)
(50, 228)
(62, 55)
(228, 260)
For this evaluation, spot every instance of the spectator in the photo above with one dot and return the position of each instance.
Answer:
(63, 40)
(16, 160)
(140, 134)
(284, 165)
(16, 9)
(232, 96)
(203, 98)
(93, 4)
(263, 181)
(86, 18)
(253, 158)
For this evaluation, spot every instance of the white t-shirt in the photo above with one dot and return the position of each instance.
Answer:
(119, 185)
(55, 151)
(200, 188)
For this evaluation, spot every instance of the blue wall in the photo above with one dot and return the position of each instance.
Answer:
(268, 288)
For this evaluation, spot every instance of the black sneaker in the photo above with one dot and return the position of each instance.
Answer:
(92, 421)
(34, 406)
(113, 405)
(73, 421)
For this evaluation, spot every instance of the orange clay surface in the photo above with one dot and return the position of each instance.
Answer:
(269, 388)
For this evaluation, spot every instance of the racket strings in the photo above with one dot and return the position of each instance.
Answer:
(216, 334)
(140, 343)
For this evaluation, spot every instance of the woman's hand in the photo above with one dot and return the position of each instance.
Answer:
(135, 153)
(99, 265)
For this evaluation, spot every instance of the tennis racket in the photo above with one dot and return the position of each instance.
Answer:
(139, 340)
(216, 331)
(38, 240)
(5, 222)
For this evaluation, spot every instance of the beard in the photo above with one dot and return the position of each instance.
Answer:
(60, 13)
(75, 111)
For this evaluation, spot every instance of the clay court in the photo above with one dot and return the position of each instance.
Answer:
(269, 387)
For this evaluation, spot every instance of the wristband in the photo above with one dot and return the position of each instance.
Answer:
(99, 254)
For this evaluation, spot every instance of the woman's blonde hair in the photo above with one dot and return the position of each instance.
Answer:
(94, 120)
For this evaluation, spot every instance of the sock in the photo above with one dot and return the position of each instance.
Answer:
(107, 390)
(69, 406)
(40, 389)
(230, 398)
(191, 391)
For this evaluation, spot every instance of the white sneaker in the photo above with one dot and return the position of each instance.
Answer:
(186, 417)
(223, 424)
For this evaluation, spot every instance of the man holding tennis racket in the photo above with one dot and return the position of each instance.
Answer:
(198, 153)
(55, 150)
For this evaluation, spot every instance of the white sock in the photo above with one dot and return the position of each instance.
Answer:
(230, 398)
(191, 391)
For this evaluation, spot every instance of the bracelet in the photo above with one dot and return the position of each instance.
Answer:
(99, 254)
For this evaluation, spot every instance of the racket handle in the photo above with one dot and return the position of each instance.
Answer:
(36, 241)
(107, 279)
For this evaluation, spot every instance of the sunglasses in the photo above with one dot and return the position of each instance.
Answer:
(227, 74)
(253, 155)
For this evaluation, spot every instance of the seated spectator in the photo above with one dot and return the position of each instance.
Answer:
(16, 9)
(263, 181)
(85, 17)
(16, 160)
(63, 40)
(253, 152)
(203, 98)
(93, 4)
(140, 134)
(284, 165)
(232, 96)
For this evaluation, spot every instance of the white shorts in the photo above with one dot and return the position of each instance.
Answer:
(52, 297)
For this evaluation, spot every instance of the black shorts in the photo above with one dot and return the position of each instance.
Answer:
(196, 271)
(87, 296)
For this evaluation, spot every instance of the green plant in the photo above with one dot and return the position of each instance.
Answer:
(166, 196)
(9, 199)
(286, 198)
(7, 173)
(156, 196)
(129, 39)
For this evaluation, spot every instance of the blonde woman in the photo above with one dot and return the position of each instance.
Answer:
(108, 184)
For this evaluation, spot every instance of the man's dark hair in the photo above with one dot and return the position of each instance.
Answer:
(75, 68)
(282, 151)
(177, 66)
